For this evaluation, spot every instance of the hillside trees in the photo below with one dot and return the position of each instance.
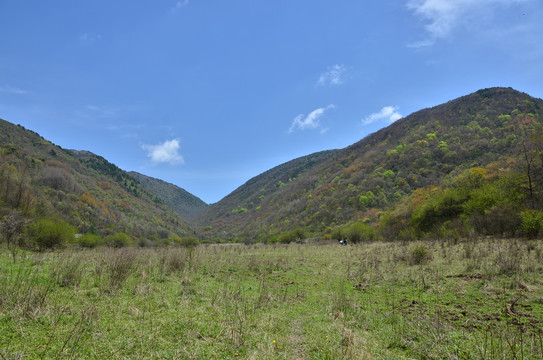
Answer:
(532, 150)
(473, 202)
(472, 166)
(39, 180)
(15, 190)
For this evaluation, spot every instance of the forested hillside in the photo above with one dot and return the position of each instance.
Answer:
(246, 202)
(188, 206)
(489, 139)
(41, 181)
(468, 167)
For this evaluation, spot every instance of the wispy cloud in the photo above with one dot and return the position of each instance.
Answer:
(443, 16)
(100, 111)
(166, 152)
(12, 90)
(89, 38)
(388, 113)
(180, 4)
(127, 131)
(332, 76)
(311, 121)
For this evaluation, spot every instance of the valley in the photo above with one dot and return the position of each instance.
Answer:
(442, 211)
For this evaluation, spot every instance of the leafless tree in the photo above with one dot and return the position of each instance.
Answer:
(11, 231)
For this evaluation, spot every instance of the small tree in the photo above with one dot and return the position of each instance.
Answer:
(532, 222)
(11, 232)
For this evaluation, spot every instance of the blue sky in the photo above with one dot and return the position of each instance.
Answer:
(208, 94)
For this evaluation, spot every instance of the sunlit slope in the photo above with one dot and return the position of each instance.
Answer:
(372, 175)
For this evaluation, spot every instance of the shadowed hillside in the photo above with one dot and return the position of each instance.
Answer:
(184, 203)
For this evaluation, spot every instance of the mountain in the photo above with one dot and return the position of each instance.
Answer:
(411, 174)
(188, 206)
(483, 129)
(41, 180)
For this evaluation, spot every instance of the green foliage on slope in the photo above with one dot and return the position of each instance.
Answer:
(246, 211)
(495, 129)
(471, 166)
(41, 181)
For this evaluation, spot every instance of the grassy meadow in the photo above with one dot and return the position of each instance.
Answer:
(476, 299)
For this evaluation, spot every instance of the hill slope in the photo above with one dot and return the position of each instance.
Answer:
(184, 203)
(246, 201)
(486, 128)
(42, 180)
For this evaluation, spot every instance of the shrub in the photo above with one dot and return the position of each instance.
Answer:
(291, 236)
(418, 254)
(118, 240)
(497, 221)
(361, 232)
(393, 226)
(69, 270)
(174, 239)
(442, 207)
(338, 234)
(49, 234)
(90, 240)
(172, 260)
(286, 237)
(531, 222)
(190, 241)
(120, 265)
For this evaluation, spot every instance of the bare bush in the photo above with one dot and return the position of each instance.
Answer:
(60, 179)
(418, 254)
(120, 264)
(69, 271)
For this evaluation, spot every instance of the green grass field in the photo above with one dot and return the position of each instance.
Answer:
(480, 299)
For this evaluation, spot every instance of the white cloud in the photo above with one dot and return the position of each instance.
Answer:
(390, 113)
(311, 121)
(166, 152)
(443, 16)
(332, 76)
(12, 90)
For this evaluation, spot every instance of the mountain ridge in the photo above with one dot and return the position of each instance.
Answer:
(316, 192)
(421, 149)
